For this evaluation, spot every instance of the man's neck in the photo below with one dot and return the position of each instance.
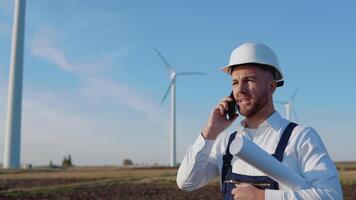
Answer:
(254, 121)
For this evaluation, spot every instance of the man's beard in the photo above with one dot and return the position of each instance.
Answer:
(256, 107)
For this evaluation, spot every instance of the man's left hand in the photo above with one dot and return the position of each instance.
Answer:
(247, 191)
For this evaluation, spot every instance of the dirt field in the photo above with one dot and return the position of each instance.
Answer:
(119, 191)
(107, 183)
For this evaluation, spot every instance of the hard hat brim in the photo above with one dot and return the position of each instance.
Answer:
(279, 78)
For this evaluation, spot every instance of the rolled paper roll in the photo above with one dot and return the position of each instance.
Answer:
(254, 155)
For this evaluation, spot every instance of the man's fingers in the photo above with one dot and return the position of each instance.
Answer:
(221, 109)
(225, 105)
(235, 192)
(238, 189)
(243, 185)
(225, 101)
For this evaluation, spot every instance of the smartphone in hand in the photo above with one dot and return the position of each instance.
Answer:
(232, 107)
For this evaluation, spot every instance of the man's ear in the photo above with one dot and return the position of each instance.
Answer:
(273, 86)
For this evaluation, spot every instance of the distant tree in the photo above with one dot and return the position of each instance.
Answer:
(127, 162)
(67, 161)
(50, 165)
(70, 160)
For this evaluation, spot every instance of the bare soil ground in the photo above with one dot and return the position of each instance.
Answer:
(126, 191)
(107, 183)
(122, 191)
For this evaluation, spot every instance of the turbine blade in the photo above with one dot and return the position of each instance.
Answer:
(294, 94)
(191, 73)
(163, 59)
(169, 88)
(295, 115)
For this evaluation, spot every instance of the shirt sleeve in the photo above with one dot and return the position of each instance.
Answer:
(198, 166)
(316, 167)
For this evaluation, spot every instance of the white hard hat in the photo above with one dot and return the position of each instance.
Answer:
(255, 53)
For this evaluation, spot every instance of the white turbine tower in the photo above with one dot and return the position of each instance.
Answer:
(288, 105)
(172, 88)
(13, 125)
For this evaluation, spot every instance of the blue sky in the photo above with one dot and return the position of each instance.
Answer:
(93, 84)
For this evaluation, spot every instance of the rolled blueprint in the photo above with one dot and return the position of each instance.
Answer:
(254, 155)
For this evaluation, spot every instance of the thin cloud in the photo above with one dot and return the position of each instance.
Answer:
(103, 90)
(44, 45)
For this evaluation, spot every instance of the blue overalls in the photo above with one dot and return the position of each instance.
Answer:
(229, 179)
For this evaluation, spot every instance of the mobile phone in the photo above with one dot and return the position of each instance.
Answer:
(232, 107)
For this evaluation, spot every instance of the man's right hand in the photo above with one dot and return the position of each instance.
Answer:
(217, 120)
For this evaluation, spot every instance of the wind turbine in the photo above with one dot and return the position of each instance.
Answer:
(288, 105)
(12, 143)
(172, 88)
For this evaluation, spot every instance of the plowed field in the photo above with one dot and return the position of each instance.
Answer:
(106, 183)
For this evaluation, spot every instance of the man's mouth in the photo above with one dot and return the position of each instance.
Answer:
(244, 101)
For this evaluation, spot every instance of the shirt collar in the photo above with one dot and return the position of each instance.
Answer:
(274, 121)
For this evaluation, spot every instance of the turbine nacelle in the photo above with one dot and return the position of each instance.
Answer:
(172, 75)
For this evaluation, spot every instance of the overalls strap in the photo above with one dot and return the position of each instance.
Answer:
(283, 141)
(227, 158)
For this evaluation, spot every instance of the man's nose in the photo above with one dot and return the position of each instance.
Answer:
(240, 88)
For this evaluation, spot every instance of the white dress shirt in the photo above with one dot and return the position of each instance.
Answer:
(305, 154)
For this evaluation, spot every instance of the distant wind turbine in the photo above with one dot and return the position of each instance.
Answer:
(172, 88)
(288, 105)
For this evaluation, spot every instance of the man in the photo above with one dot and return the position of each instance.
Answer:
(255, 76)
